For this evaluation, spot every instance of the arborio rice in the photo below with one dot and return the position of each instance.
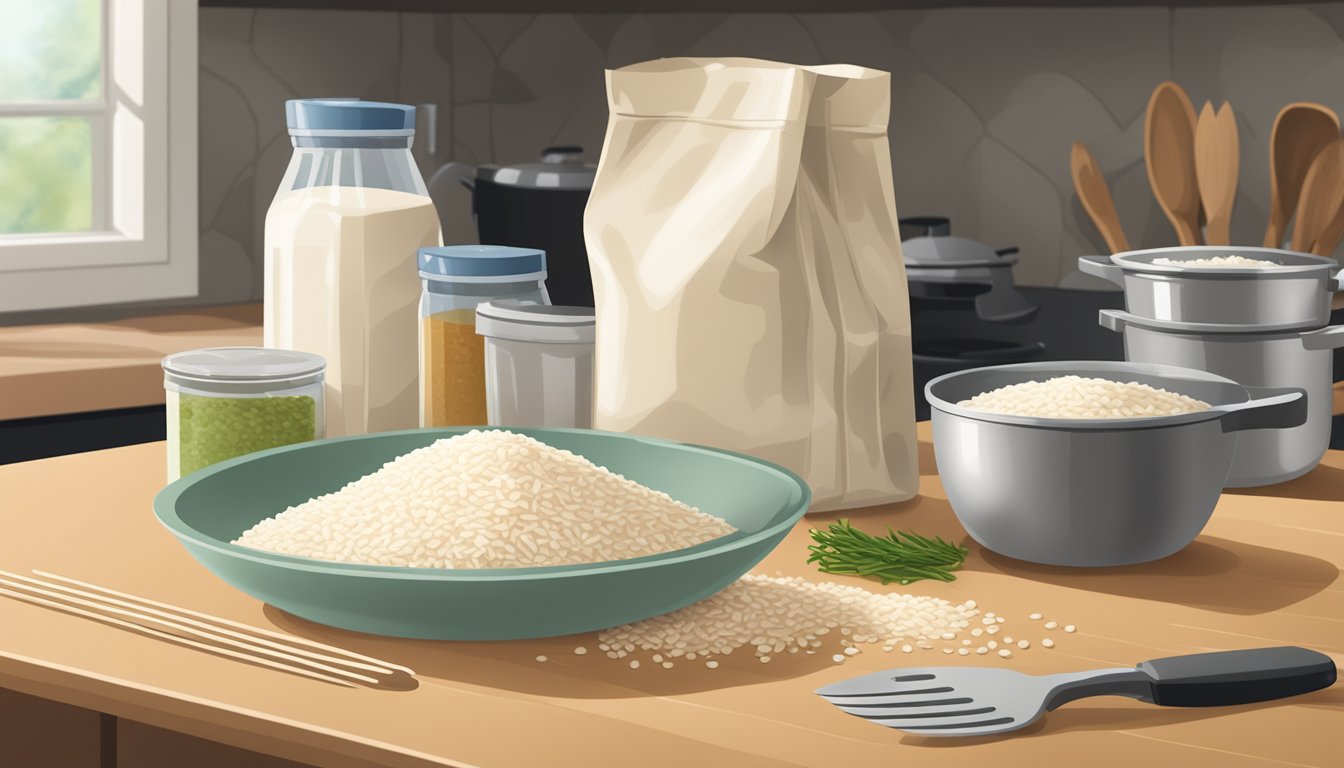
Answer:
(1218, 261)
(486, 499)
(1075, 397)
(786, 615)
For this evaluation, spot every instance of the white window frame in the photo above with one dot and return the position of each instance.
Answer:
(144, 240)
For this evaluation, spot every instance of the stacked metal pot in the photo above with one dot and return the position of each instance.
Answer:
(1258, 326)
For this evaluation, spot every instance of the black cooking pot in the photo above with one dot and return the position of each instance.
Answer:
(540, 205)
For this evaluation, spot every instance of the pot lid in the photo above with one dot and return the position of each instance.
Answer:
(948, 252)
(243, 364)
(1290, 262)
(515, 320)
(559, 168)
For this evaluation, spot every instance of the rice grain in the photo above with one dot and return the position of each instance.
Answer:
(486, 499)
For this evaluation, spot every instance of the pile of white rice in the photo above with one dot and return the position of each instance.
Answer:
(1215, 262)
(1076, 397)
(486, 499)
(777, 615)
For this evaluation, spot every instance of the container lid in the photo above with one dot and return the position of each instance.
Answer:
(560, 168)
(243, 366)
(947, 252)
(348, 117)
(516, 321)
(473, 262)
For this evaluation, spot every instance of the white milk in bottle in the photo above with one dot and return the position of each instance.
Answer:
(341, 279)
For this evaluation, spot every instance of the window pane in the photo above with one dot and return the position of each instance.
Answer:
(46, 174)
(50, 49)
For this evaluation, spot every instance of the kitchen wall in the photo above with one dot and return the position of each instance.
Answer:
(985, 103)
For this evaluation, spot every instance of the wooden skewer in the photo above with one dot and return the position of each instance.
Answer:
(382, 666)
(34, 586)
(27, 598)
(136, 604)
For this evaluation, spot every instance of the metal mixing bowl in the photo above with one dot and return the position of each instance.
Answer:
(1094, 492)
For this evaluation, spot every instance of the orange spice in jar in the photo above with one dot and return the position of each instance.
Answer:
(454, 279)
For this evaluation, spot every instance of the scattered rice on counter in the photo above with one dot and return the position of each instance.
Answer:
(1075, 397)
(775, 615)
(486, 499)
(1218, 261)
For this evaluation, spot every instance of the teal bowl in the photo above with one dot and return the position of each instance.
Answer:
(207, 510)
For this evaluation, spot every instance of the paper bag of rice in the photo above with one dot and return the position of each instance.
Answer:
(747, 271)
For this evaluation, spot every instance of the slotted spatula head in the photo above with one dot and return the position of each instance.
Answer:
(943, 701)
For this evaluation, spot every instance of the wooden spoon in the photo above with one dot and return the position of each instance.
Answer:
(1217, 161)
(1300, 132)
(1169, 152)
(1096, 198)
(1322, 201)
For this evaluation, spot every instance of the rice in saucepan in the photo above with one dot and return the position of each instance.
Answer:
(1215, 262)
(1076, 397)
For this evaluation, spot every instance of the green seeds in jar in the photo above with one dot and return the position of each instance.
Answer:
(212, 429)
(224, 402)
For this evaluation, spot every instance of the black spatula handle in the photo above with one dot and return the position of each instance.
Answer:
(1237, 677)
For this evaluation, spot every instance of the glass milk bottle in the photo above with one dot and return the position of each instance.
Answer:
(341, 240)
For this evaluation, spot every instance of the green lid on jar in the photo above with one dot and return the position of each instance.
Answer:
(243, 369)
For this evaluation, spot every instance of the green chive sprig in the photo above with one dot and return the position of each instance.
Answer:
(897, 557)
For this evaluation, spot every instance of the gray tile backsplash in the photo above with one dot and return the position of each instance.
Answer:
(985, 103)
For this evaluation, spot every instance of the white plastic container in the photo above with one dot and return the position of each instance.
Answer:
(538, 364)
(224, 402)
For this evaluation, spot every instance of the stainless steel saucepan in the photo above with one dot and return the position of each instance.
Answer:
(1253, 357)
(1094, 492)
(1295, 294)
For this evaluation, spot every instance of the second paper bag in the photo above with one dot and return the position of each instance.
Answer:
(747, 271)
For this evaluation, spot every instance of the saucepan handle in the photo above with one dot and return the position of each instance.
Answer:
(1268, 408)
(1103, 267)
(1331, 337)
(1237, 677)
(1113, 319)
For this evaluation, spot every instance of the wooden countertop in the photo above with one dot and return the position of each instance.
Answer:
(70, 368)
(1264, 572)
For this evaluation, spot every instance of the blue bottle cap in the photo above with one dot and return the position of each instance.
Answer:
(338, 116)
(446, 262)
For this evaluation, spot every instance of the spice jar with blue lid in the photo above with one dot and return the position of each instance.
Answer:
(224, 402)
(454, 280)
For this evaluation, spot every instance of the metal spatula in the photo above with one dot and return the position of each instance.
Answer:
(977, 701)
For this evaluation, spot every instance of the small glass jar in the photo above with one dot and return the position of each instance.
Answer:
(454, 280)
(224, 402)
